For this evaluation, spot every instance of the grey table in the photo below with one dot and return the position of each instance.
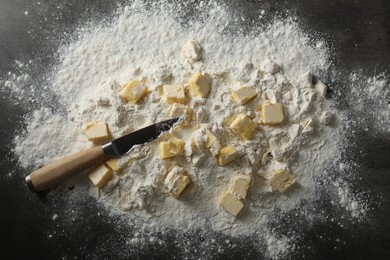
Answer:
(357, 31)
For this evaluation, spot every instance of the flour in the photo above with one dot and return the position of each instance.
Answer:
(151, 44)
(376, 90)
(356, 206)
(44, 124)
(278, 248)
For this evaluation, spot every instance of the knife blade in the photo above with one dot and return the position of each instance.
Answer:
(123, 144)
(60, 170)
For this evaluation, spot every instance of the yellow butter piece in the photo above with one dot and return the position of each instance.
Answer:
(211, 138)
(176, 182)
(230, 119)
(182, 111)
(272, 113)
(113, 164)
(240, 185)
(243, 126)
(281, 180)
(198, 85)
(243, 95)
(96, 131)
(181, 183)
(194, 145)
(226, 155)
(231, 204)
(174, 94)
(100, 175)
(171, 149)
(134, 91)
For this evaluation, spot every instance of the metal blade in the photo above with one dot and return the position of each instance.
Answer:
(123, 144)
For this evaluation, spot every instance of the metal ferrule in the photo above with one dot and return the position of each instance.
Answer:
(29, 183)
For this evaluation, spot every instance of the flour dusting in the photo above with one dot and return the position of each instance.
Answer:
(151, 43)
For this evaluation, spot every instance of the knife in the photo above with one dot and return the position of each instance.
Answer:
(60, 170)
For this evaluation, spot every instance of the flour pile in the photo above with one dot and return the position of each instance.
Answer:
(151, 43)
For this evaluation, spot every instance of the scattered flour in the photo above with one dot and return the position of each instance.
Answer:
(278, 247)
(366, 91)
(94, 67)
(350, 202)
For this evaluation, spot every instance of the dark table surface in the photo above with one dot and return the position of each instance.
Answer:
(356, 31)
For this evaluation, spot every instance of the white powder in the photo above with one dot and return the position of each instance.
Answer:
(351, 203)
(278, 247)
(96, 64)
(45, 129)
(86, 84)
(55, 217)
(366, 91)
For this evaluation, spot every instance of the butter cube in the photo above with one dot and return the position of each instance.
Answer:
(100, 175)
(272, 113)
(229, 120)
(96, 131)
(240, 185)
(321, 88)
(114, 165)
(226, 155)
(281, 180)
(243, 95)
(176, 181)
(171, 149)
(211, 138)
(174, 94)
(182, 111)
(231, 204)
(197, 142)
(199, 86)
(134, 91)
(243, 126)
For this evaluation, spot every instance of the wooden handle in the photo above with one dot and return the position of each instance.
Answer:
(60, 170)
